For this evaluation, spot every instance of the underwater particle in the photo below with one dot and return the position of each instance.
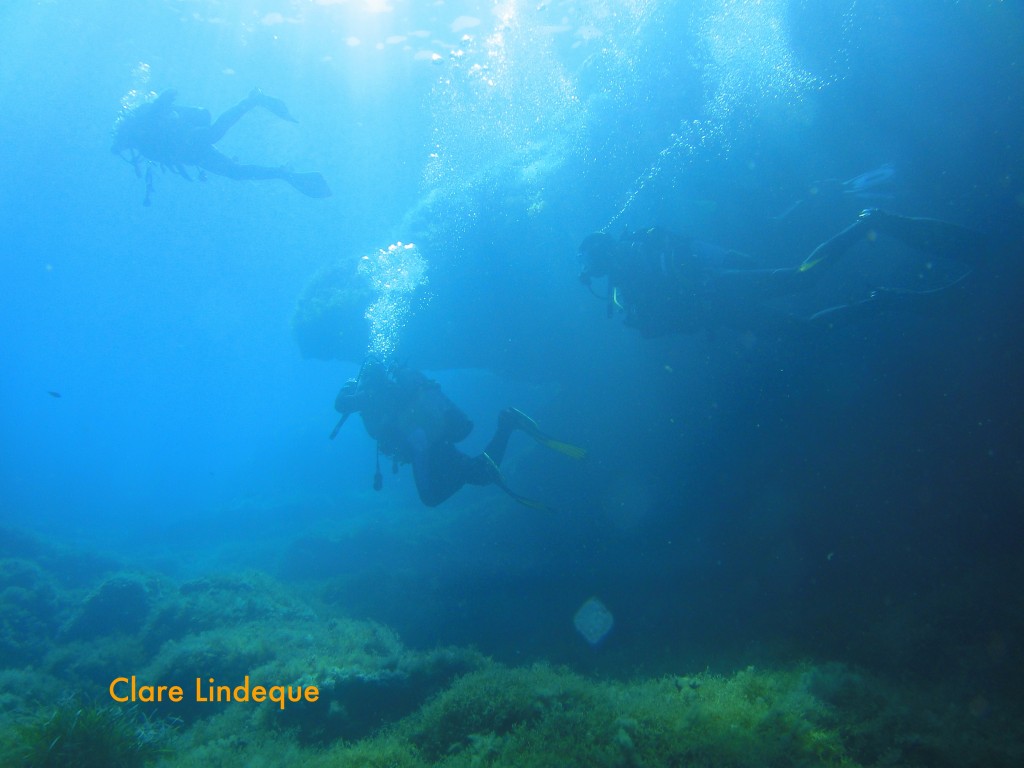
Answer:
(593, 620)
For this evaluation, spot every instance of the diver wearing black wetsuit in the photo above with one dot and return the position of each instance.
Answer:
(414, 422)
(176, 137)
(665, 283)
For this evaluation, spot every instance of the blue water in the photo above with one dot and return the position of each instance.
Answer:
(748, 494)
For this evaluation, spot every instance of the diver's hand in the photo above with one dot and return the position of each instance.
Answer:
(347, 400)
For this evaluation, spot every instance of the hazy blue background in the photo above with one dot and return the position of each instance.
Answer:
(849, 494)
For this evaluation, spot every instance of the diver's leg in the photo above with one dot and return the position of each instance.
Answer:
(439, 471)
(214, 133)
(272, 105)
(255, 99)
(740, 287)
(936, 301)
(483, 469)
(222, 165)
(932, 236)
(499, 442)
(837, 244)
(309, 184)
(511, 419)
(255, 172)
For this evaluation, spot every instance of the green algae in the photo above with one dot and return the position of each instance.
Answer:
(384, 704)
(76, 734)
(543, 716)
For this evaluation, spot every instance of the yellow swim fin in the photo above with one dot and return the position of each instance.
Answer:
(499, 480)
(529, 426)
(817, 256)
(531, 503)
(572, 451)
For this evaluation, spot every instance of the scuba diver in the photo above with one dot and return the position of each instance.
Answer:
(162, 132)
(414, 422)
(665, 283)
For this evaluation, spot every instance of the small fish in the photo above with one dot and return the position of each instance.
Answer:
(51, 393)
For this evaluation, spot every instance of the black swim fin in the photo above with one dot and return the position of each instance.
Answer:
(310, 184)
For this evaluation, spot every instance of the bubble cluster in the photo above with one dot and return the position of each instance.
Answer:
(692, 138)
(505, 112)
(139, 93)
(747, 60)
(744, 54)
(394, 274)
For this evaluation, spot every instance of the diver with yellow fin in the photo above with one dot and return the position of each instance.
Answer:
(665, 283)
(160, 132)
(414, 422)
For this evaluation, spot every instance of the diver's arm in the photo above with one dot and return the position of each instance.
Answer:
(350, 398)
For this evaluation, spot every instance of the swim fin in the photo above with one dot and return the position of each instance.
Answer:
(883, 298)
(838, 244)
(531, 503)
(529, 426)
(499, 480)
(309, 184)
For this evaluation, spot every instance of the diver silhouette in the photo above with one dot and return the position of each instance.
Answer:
(160, 132)
(666, 283)
(414, 422)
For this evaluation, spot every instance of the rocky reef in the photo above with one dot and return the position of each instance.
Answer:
(380, 703)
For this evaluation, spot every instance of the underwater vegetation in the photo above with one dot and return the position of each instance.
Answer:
(542, 716)
(75, 734)
(383, 704)
(811, 715)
